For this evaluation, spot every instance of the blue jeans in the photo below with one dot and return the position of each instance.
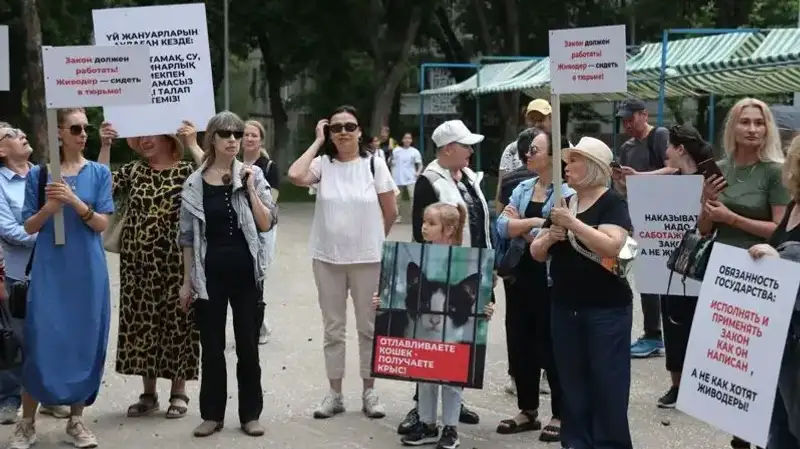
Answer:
(428, 403)
(11, 380)
(592, 352)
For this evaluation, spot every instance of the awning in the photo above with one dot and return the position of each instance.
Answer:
(486, 74)
(531, 76)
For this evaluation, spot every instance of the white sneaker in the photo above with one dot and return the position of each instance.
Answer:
(511, 387)
(333, 404)
(371, 404)
(80, 435)
(9, 414)
(24, 435)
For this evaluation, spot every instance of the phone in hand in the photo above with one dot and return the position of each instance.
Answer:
(709, 168)
(615, 164)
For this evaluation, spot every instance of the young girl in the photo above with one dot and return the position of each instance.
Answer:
(443, 224)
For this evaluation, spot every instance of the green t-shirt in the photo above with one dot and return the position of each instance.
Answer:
(751, 193)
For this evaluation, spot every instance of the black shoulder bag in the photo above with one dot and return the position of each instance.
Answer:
(11, 354)
(18, 294)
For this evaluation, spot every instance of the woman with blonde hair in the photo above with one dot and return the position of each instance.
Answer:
(156, 339)
(253, 153)
(225, 205)
(745, 207)
(68, 306)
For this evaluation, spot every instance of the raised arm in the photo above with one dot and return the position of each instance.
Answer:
(300, 172)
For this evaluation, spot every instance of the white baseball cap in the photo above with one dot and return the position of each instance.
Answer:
(454, 131)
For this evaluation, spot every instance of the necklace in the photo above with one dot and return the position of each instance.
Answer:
(749, 173)
(225, 175)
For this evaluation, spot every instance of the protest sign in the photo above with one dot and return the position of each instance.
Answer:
(89, 76)
(738, 334)
(430, 324)
(662, 209)
(5, 67)
(180, 64)
(588, 60)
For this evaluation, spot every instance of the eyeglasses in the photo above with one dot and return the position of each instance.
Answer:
(76, 130)
(533, 150)
(227, 133)
(13, 133)
(336, 128)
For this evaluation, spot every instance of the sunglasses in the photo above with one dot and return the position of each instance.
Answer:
(12, 134)
(76, 130)
(227, 133)
(336, 128)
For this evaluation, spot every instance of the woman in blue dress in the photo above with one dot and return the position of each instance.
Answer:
(67, 319)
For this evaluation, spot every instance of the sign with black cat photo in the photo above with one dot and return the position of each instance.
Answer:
(430, 324)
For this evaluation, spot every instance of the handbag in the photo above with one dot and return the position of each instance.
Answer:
(622, 265)
(18, 292)
(690, 258)
(11, 354)
(113, 234)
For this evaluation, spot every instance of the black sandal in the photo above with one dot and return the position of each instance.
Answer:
(148, 403)
(511, 426)
(551, 433)
(176, 411)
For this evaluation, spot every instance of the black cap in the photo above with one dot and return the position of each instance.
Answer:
(629, 107)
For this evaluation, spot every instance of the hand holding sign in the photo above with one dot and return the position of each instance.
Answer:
(762, 250)
(187, 133)
(107, 134)
(62, 193)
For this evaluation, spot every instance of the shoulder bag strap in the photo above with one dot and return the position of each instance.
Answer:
(573, 207)
(43, 172)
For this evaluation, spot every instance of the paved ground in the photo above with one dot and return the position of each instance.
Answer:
(294, 381)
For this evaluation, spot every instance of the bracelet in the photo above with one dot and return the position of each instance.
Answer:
(88, 215)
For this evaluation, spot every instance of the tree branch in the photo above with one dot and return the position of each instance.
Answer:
(373, 34)
(483, 25)
(36, 101)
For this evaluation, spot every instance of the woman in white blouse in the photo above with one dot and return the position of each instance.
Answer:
(355, 209)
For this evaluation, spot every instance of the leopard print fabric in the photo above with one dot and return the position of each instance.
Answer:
(156, 338)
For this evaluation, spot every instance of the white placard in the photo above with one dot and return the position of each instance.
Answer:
(588, 60)
(730, 374)
(180, 63)
(90, 76)
(662, 209)
(5, 67)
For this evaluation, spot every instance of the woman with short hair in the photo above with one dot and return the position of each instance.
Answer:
(592, 312)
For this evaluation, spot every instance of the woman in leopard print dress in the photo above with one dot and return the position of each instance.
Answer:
(156, 339)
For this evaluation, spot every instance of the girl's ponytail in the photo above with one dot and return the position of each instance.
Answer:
(458, 235)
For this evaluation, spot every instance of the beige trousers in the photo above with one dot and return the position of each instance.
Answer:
(334, 282)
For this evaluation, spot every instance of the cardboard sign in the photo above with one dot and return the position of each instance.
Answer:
(89, 76)
(430, 325)
(588, 60)
(180, 63)
(736, 346)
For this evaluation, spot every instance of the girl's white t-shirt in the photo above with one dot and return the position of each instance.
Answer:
(348, 220)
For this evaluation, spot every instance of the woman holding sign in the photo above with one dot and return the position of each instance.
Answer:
(786, 412)
(686, 151)
(156, 339)
(69, 307)
(592, 312)
(744, 205)
(530, 346)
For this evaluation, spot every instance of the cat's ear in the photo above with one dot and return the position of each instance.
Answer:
(413, 274)
(470, 285)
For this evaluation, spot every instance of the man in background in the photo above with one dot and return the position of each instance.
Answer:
(645, 152)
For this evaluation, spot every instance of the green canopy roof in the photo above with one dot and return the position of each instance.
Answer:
(486, 74)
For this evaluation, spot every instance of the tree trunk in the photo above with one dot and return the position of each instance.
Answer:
(385, 94)
(37, 110)
(502, 100)
(513, 47)
(274, 75)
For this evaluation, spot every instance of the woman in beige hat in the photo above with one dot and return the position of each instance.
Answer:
(592, 311)
(156, 338)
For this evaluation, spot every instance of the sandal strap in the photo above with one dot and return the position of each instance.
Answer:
(180, 396)
(153, 397)
(531, 415)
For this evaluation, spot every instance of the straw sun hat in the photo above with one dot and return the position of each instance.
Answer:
(594, 149)
(134, 143)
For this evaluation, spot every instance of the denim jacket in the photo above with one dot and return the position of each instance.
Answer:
(192, 222)
(520, 198)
